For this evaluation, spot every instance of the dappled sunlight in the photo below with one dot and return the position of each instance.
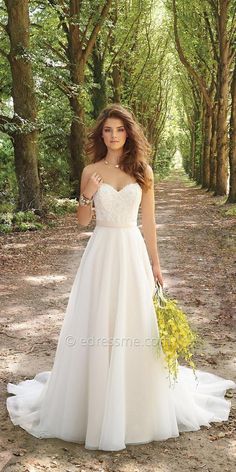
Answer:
(23, 365)
(184, 222)
(168, 205)
(165, 237)
(77, 248)
(173, 281)
(16, 245)
(171, 65)
(42, 279)
(230, 363)
(59, 247)
(85, 234)
(34, 322)
(177, 191)
(8, 290)
(201, 320)
(17, 307)
(57, 297)
(31, 330)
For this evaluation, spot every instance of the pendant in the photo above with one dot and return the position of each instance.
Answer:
(116, 165)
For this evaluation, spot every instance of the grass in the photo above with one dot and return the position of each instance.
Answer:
(14, 221)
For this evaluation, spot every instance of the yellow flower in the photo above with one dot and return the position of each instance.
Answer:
(177, 338)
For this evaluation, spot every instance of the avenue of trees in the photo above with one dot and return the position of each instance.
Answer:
(173, 62)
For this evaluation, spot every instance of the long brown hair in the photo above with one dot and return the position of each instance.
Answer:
(137, 149)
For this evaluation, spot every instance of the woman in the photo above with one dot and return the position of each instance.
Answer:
(119, 154)
(107, 387)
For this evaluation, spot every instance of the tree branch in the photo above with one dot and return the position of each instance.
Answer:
(106, 45)
(213, 42)
(63, 46)
(96, 29)
(209, 68)
(60, 55)
(144, 64)
(231, 57)
(214, 7)
(54, 5)
(200, 80)
(232, 35)
(86, 28)
(124, 41)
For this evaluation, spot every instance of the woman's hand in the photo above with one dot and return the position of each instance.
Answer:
(92, 185)
(157, 274)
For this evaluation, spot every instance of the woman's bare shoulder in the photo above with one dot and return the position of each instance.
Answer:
(149, 172)
(90, 168)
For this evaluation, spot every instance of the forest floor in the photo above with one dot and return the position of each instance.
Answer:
(196, 244)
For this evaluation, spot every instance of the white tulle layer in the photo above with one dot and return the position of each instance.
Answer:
(104, 392)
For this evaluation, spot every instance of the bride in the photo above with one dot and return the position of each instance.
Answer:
(107, 388)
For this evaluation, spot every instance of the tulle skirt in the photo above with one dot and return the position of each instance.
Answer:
(108, 386)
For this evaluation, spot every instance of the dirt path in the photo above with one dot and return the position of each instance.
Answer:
(197, 253)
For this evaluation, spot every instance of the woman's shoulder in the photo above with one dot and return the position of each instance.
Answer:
(90, 168)
(149, 172)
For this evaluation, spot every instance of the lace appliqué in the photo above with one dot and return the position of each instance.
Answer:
(118, 206)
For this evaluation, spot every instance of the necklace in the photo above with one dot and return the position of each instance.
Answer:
(114, 165)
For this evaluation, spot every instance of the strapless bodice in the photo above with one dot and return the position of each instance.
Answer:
(117, 208)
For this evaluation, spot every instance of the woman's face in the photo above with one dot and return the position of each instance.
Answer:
(114, 133)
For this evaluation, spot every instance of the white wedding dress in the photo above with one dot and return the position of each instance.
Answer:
(108, 387)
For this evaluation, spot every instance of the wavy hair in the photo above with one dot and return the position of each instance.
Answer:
(137, 149)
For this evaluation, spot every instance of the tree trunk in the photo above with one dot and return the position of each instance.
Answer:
(26, 136)
(99, 97)
(206, 147)
(232, 144)
(77, 140)
(192, 145)
(201, 154)
(222, 126)
(116, 78)
(197, 138)
(78, 51)
(213, 150)
(193, 151)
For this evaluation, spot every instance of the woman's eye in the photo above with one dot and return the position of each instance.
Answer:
(107, 130)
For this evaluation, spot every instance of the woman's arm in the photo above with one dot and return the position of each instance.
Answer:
(85, 213)
(149, 226)
(90, 182)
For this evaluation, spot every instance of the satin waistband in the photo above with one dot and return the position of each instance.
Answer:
(112, 224)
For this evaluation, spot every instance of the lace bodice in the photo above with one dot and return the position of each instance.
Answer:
(118, 207)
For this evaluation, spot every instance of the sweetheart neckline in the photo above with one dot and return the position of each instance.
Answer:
(118, 191)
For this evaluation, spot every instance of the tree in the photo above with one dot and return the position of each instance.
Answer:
(209, 63)
(81, 25)
(22, 127)
(232, 143)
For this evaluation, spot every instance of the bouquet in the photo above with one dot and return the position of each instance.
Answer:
(177, 339)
